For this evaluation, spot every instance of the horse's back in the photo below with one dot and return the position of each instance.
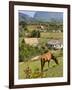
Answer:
(49, 55)
(46, 56)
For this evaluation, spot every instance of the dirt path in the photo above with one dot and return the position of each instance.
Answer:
(35, 58)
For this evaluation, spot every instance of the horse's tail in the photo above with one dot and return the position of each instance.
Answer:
(55, 59)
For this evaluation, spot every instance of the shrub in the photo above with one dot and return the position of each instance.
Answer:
(28, 72)
(35, 33)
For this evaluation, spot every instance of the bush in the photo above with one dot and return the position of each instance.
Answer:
(35, 33)
(28, 72)
(22, 28)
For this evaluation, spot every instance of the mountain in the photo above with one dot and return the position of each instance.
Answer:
(48, 16)
(41, 16)
(26, 18)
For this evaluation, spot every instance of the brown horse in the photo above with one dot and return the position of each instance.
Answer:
(46, 57)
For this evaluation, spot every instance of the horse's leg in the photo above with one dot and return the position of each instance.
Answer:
(41, 65)
(41, 68)
(54, 58)
(48, 62)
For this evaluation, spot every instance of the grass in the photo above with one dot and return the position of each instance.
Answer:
(52, 35)
(52, 71)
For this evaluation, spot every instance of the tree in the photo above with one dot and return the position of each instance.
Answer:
(22, 28)
(35, 33)
(23, 24)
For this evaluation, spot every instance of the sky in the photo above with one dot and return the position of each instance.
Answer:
(30, 13)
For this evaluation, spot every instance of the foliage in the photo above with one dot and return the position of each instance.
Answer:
(22, 28)
(28, 72)
(23, 24)
(35, 33)
(27, 52)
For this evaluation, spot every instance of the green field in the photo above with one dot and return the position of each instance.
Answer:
(35, 66)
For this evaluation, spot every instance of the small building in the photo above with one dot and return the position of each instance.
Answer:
(31, 41)
(55, 44)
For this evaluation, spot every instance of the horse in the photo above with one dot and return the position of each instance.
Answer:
(47, 57)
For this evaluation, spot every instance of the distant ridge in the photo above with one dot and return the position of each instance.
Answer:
(42, 16)
(49, 16)
(24, 17)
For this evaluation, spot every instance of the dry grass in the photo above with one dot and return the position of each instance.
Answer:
(52, 35)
